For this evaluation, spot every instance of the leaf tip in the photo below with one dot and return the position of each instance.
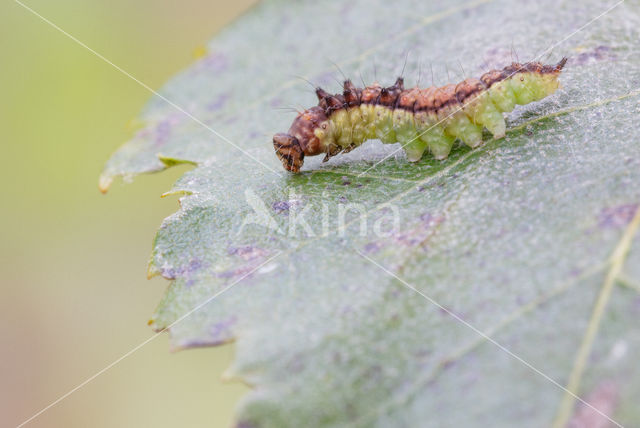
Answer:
(169, 161)
(229, 375)
(200, 52)
(176, 192)
(152, 271)
(104, 182)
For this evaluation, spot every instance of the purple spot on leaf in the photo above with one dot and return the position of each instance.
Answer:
(162, 130)
(372, 247)
(216, 62)
(218, 102)
(324, 78)
(281, 207)
(247, 252)
(604, 398)
(617, 217)
(275, 102)
(497, 58)
(600, 53)
(188, 272)
(221, 331)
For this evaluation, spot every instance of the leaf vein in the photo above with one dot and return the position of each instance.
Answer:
(617, 261)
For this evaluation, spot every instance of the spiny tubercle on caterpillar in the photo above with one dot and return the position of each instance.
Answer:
(416, 118)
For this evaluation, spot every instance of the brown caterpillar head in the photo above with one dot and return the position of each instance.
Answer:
(301, 139)
(289, 151)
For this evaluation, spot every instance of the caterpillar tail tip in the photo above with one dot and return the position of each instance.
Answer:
(560, 65)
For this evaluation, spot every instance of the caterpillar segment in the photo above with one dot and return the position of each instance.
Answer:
(420, 119)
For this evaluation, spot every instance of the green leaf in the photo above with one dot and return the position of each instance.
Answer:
(479, 287)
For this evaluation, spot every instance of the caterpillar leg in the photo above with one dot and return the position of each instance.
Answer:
(483, 112)
(461, 127)
(415, 149)
(407, 135)
(439, 142)
(495, 123)
(430, 132)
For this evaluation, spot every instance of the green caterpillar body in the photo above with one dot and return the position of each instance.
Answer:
(419, 119)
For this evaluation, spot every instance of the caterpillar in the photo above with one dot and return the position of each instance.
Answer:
(418, 119)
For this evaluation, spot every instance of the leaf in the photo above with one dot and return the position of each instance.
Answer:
(510, 273)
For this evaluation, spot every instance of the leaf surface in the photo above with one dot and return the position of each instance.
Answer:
(464, 292)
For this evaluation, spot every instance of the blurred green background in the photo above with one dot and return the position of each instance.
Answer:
(74, 294)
